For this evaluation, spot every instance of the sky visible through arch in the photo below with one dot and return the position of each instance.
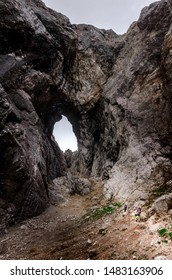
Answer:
(64, 135)
(105, 14)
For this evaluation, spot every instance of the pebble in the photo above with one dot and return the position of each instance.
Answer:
(89, 242)
(124, 228)
(24, 227)
(103, 231)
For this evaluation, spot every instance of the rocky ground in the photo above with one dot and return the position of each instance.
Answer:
(77, 229)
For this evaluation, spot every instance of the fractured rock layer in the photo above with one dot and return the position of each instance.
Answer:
(115, 90)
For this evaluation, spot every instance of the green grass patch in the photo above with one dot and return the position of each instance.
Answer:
(102, 211)
(162, 231)
(99, 212)
(117, 204)
(165, 234)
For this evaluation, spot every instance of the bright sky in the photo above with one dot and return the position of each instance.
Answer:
(106, 14)
(64, 135)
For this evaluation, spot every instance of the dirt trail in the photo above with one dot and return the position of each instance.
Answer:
(68, 231)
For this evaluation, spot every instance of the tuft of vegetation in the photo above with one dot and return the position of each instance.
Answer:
(160, 191)
(165, 234)
(162, 231)
(102, 211)
(117, 204)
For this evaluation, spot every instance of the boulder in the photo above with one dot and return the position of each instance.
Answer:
(81, 186)
(163, 204)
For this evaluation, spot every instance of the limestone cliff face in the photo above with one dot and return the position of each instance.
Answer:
(115, 90)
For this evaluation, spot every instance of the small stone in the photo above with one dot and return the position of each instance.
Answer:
(124, 228)
(103, 231)
(89, 242)
(24, 227)
(136, 231)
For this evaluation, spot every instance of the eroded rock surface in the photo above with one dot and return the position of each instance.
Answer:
(115, 90)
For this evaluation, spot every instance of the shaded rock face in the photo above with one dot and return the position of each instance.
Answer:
(115, 91)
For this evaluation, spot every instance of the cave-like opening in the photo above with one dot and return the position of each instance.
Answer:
(64, 135)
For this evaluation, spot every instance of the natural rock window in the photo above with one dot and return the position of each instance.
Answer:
(64, 135)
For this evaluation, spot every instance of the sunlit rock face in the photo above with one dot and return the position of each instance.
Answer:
(115, 91)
